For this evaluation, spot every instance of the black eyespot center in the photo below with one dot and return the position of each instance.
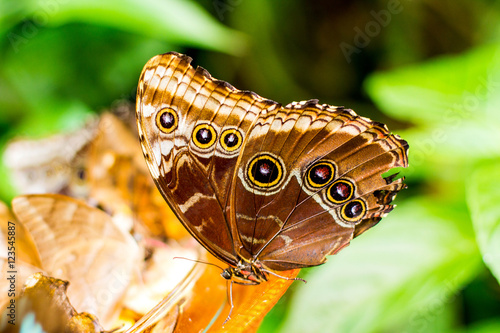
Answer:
(231, 140)
(167, 120)
(203, 136)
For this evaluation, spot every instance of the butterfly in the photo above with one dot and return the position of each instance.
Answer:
(263, 187)
(76, 242)
(54, 164)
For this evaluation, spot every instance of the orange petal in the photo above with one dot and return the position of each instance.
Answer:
(210, 306)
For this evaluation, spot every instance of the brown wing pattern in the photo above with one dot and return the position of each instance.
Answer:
(296, 223)
(251, 179)
(192, 128)
(80, 244)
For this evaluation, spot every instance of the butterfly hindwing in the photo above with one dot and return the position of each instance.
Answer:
(312, 152)
(81, 244)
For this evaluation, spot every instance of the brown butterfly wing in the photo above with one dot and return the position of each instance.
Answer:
(81, 244)
(292, 202)
(249, 178)
(192, 128)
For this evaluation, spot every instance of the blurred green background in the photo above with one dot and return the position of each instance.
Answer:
(429, 69)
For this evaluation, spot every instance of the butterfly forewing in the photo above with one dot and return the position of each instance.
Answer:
(193, 150)
(81, 244)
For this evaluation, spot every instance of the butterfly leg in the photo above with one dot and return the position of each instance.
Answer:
(284, 277)
(231, 305)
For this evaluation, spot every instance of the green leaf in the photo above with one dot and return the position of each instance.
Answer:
(454, 101)
(398, 274)
(439, 90)
(483, 198)
(450, 147)
(488, 326)
(175, 21)
(7, 190)
(53, 117)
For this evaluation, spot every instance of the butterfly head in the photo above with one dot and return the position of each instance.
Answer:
(245, 273)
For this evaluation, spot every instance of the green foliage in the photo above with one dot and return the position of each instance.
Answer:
(487, 327)
(432, 73)
(397, 276)
(453, 102)
(483, 196)
(64, 60)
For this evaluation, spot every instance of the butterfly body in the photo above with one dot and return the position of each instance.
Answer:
(263, 187)
(245, 273)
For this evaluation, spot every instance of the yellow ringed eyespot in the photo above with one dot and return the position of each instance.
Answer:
(204, 136)
(320, 174)
(340, 191)
(265, 171)
(167, 120)
(231, 139)
(353, 211)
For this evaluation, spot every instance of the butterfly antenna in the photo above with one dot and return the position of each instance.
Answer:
(201, 262)
(284, 277)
